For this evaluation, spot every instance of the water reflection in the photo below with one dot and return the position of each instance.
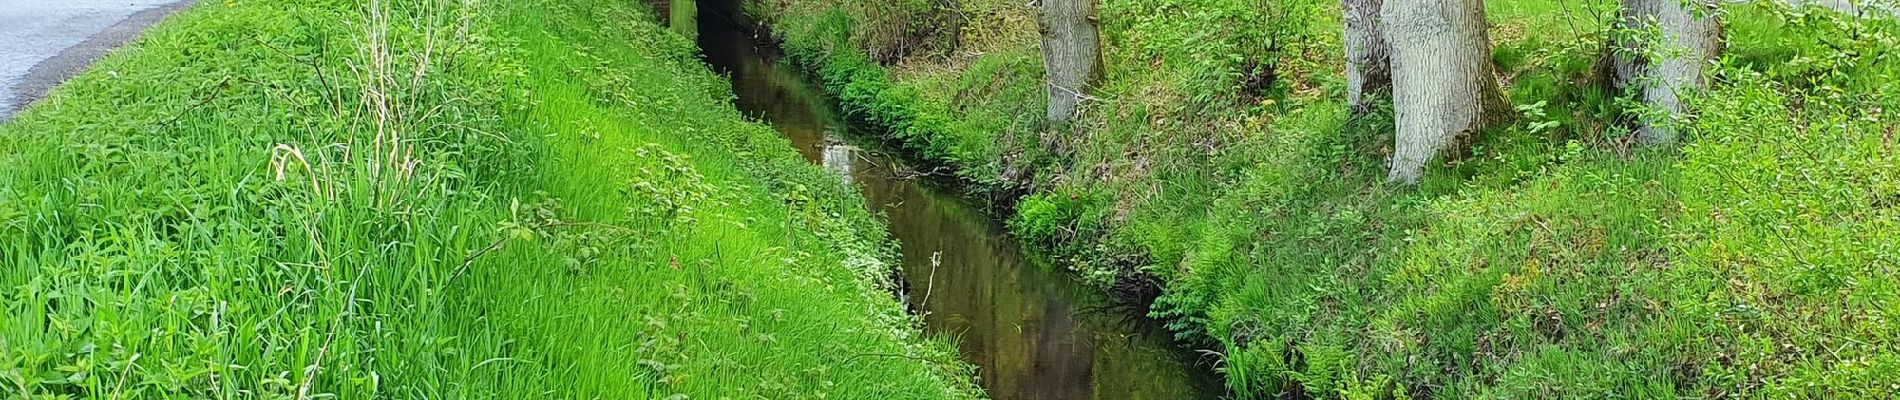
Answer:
(838, 159)
(1033, 332)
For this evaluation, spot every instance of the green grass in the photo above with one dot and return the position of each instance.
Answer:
(574, 211)
(1755, 260)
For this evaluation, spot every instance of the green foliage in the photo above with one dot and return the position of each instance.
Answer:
(886, 31)
(1553, 262)
(869, 96)
(550, 201)
(1257, 368)
(1215, 49)
(1789, 228)
(1039, 218)
(667, 188)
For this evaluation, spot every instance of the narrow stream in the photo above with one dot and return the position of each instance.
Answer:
(1032, 331)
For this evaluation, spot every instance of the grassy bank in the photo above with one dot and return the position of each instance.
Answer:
(1218, 162)
(540, 199)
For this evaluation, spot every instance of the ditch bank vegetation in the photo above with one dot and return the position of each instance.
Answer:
(1218, 163)
(433, 199)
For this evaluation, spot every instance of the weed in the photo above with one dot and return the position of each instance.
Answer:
(417, 199)
(1554, 262)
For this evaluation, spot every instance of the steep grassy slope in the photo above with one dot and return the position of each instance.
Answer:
(1554, 261)
(537, 199)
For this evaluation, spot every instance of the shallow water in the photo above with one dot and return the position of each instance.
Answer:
(1032, 331)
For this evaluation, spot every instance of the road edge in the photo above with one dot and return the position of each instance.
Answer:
(51, 72)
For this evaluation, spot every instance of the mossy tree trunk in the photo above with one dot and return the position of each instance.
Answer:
(1444, 86)
(1662, 48)
(1368, 59)
(1071, 54)
(683, 17)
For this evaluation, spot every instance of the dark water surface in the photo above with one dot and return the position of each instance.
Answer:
(1033, 332)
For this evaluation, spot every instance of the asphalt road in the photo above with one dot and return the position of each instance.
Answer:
(43, 42)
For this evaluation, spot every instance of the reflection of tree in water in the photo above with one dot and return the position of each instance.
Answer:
(837, 159)
(1032, 331)
(1064, 363)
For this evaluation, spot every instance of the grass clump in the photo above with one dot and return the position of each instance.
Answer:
(1554, 261)
(414, 199)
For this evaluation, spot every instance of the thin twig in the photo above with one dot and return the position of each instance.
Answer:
(855, 356)
(217, 91)
(336, 104)
(310, 372)
(502, 242)
(128, 372)
(936, 259)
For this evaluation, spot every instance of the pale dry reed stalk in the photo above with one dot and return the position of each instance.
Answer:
(384, 89)
(389, 102)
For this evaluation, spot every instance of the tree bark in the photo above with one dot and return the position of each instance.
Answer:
(1664, 46)
(1071, 54)
(1444, 86)
(1368, 58)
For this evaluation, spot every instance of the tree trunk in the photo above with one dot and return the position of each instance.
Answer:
(683, 17)
(1664, 45)
(1368, 59)
(1444, 86)
(1071, 53)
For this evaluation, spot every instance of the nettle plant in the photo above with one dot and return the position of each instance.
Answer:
(539, 220)
(666, 188)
